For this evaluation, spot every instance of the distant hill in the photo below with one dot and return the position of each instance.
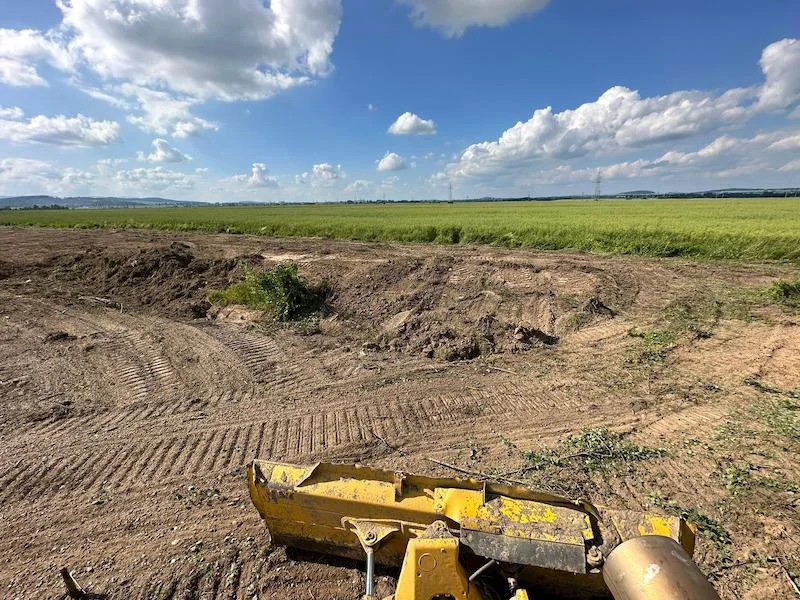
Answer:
(90, 202)
(637, 193)
(43, 201)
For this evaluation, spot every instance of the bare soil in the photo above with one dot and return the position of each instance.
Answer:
(129, 406)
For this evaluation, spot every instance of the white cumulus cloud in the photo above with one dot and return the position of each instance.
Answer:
(622, 121)
(163, 152)
(149, 180)
(163, 113)
(321, 175)
(259, 177)
(791, 166)
(244, 49)
(781, 65)
(453, 17)
(12, 113)
(410, 124)
(60, 130)
(723, 159)
(391, 162)
(359, 185)
(28, 176)
(22, 49)
(25, 169)
(390, 182)
(162, 57)
(790, 142)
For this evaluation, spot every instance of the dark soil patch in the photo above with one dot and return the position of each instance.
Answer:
(171, 278)
(6, 270)
(59, 336)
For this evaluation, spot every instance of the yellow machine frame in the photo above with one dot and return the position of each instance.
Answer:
(433, 527)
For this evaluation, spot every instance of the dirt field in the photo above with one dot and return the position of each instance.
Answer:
(129, 408)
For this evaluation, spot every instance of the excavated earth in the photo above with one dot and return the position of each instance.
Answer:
(129, 406)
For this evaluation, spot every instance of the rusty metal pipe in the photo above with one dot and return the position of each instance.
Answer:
(655, 568)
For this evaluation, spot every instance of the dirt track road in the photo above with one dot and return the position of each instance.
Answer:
(128, 413)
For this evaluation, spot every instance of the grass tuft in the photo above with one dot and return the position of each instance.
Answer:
(591, 450)
(785, 293)
(281, 290)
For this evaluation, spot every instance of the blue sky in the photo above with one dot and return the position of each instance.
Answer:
(331, 100)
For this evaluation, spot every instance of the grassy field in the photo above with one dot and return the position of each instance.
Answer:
(725, 228)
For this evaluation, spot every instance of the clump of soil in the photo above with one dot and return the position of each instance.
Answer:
(171, 278)
(488, 335)
(5, 269)
(59, 336)
(439, 308)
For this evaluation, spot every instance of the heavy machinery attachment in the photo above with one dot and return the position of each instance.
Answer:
(463, 539)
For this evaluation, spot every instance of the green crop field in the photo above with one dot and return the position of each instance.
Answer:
(750, 229)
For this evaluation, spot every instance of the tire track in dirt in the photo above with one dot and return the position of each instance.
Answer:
(13, 476)
(148, 384)
(259, 352)
(231, 576)
(302, 435)
(691, 422)
(163, 459)
(142, 411)
(596, 333)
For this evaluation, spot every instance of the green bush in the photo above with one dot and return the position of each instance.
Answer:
(281, 290)
(786, 293)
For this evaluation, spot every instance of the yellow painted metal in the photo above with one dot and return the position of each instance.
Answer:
(632, 524)
(343, 509)
(529, 520)
(431, 570)
(304, 506)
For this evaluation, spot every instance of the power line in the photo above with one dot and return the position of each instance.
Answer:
(598, 180)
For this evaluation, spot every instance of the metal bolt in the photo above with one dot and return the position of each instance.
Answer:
(594, 557)
(370, 537)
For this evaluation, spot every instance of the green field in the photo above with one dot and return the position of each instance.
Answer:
(752, 229)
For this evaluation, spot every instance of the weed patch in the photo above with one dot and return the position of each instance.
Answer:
(592, 450)
(710, 527)
(785, 293)
(281, 290)
(768, 389)
(781, 415)
(737, 478)
(656, 337)
(657, 346)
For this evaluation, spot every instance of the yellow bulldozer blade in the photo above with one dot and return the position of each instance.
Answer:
(543, 542)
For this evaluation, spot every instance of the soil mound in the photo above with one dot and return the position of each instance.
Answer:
(171, 278)
(452, 309)
(442, 306)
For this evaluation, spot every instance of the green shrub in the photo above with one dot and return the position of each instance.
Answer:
(281, 290)
(786, 293)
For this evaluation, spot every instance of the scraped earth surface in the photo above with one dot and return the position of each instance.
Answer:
(129, 406)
